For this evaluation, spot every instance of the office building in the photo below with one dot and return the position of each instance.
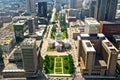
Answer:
(42, 9)
(73, 12)
(105, 10)
(72, 4)
(92, 8)
(29, 55)
(19, 28)
(97, 54)
(1, 24)
(79, 4)
(92, 26)
(30, 6)
(31, 25)
(109, 28)
(84, 13)
(58, 5)
(13, 71)
(7, 40)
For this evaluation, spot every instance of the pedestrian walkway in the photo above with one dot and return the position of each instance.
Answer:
(58, 65)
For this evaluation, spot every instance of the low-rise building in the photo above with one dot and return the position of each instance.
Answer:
(110, 28)
(7, 40)
(13, 71)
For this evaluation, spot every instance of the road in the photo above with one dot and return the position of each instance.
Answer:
(74, 54)
(47, 35)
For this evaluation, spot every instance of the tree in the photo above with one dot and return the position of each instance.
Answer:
(54, 28)
(63, 29)
(71, 64)
(53, 35)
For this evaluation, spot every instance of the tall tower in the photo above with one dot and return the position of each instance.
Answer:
(30, 6)
(29, 55)
(111, 10)
(42, 9)
(92, 8)
(58, 5)
(105, 10)
(31, 25)
(72, 4)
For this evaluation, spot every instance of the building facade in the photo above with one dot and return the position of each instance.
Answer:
(109, 29)
(97, 54)
(42, 9)
(19, 28)
(105, 10)
(30, 6)
(72, 4)
(31, 25)
(29, 55)
(92, 26)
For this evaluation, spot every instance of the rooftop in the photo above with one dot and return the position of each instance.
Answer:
(91, 21)
(6, 36)
(28, 42)
(110, 46)
(107, 22)
(11, 67)
(102, 63)
(117, 37)
(88, 46)
(20, 22)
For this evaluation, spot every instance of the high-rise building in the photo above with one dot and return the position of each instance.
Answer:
(105, 10)
(72, 4)
(92, 8)
(29, 55)
(19, 28)
(58, 5)
(30, 6)
(98, 55)
(42, 9)
(31, 25)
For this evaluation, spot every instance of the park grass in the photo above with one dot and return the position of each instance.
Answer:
(58, 65)
(58, 59)
(58, 68)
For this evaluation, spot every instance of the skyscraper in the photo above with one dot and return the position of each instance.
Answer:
(42, 9)
(58, 5)
(105, 10)
(31, 25)
(72, 4)
(30, 6)
(29, 55)
(111, 10)
(19, 28)
(92, 8)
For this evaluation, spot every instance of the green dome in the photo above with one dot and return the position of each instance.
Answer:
(58, 35)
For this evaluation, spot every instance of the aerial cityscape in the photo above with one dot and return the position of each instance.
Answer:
(59, 39)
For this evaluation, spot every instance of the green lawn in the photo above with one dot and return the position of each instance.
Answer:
(58, 70)
(58, 59)
(62, 62)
